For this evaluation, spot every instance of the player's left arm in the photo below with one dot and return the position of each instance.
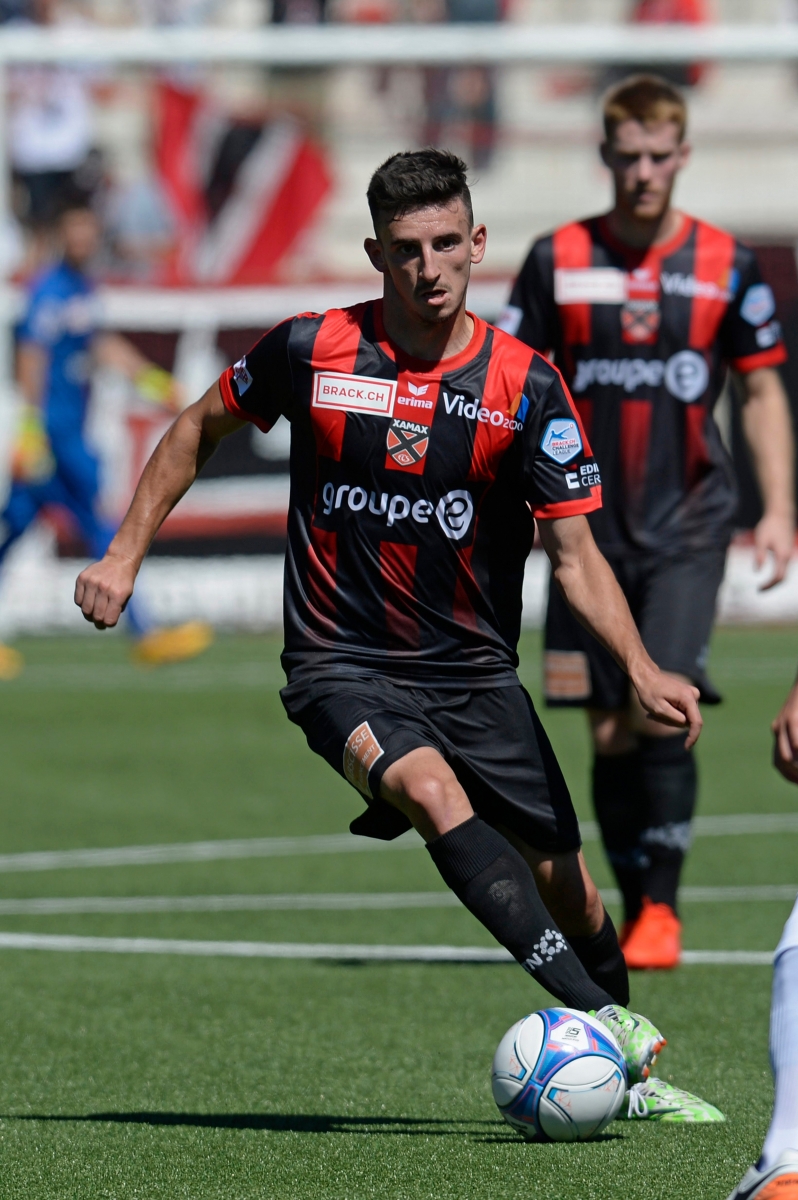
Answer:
(593, 594)
(156, 385)
(767, 424)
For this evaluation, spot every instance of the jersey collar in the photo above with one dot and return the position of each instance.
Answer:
(426, 366)
(634, 255)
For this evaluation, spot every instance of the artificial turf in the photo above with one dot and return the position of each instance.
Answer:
(200, 1078)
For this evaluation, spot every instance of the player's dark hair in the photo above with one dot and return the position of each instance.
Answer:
(643, 98)
(418, 179)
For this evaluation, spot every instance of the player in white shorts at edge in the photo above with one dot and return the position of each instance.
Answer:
(775, 1176)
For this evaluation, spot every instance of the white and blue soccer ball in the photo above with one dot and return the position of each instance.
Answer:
(559, 1075)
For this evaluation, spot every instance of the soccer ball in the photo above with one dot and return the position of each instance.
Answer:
(559, 1075)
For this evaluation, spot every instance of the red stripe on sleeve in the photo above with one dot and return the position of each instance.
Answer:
(634, 442)
(765, 358)
(335, 349)
(569, 508)
(714, 259)
(696, 455)
(505, 380)
(573, 250)
(232, 405)
(322, 558)
(398, 569)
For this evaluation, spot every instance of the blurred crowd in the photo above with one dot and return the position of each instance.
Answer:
(180, 165)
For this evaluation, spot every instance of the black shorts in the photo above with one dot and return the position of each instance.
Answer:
(493, 741)
(673, 603)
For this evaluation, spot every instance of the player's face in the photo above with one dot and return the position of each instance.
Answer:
(644, 160)
(426, 258)
(80, 236)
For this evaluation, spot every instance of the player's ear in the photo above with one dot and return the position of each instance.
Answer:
(685, 150)
(376, 257)
(479, 237)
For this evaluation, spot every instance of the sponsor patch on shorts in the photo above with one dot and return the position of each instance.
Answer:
(361, 752)
(567, 675)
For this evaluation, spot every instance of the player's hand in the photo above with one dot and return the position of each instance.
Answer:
(104, 588)
(31, 457)
(159, 387)
(670, 701)
(785, 729)
(775, 534)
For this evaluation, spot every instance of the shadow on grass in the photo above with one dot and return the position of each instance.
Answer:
(275, 1122)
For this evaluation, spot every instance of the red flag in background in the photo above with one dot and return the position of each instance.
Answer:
(275, 195)
(177, 159)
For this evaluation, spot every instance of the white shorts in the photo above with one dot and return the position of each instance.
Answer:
(789, 938)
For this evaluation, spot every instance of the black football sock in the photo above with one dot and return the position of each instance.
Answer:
(618, 800)
(670, 781)
(601, 957)
(496, 884)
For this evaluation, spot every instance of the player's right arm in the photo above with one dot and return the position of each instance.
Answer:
(594, 596)
(785, 729)
(258, 388)
(104, 588)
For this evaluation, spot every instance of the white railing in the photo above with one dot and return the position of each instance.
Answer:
(339, 45)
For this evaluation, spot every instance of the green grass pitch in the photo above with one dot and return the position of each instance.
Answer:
(158, 1077)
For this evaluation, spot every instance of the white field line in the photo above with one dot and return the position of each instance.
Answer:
(336, 843)
(175, 852)
(331, 901)
(301, 950)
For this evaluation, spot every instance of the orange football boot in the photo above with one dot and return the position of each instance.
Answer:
(655, 942)
(783, 1188)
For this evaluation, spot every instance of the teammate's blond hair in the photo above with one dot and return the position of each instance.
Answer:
(644, 98)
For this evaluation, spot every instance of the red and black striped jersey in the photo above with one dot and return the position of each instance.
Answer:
(643, 338)
(413, 486)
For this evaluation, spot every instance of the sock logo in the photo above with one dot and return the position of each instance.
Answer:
(551, 943)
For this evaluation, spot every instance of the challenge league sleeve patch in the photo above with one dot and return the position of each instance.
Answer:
(361, 752)
(758, 304)
(561, 440)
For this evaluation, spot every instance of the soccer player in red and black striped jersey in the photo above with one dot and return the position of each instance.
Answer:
(424, 442)
(643, 310)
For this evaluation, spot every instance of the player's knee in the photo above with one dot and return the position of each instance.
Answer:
(612, 734)
(431, 792)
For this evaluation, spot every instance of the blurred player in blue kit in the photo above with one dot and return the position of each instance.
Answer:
(59, 346)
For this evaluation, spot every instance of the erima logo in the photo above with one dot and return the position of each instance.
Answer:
(454, 511)
(685, 374)
(418, 390)
(561, 440)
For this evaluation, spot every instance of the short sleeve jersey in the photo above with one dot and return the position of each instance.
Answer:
(61, 318)
(643, 339)
(413, 486)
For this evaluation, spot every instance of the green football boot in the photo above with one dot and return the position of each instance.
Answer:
(656, 1100)
(639, 1040)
